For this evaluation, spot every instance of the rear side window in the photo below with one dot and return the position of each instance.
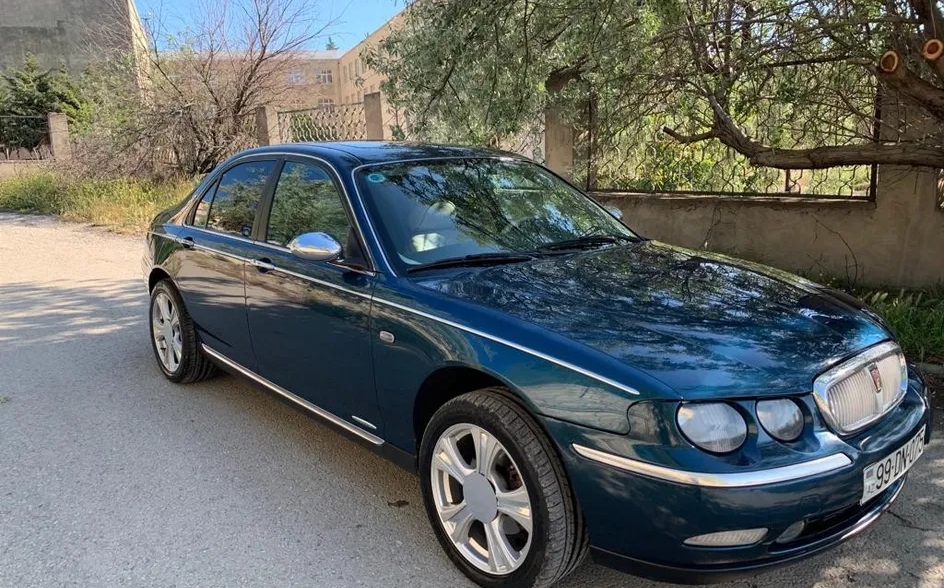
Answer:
(237, 196)
(203, 209)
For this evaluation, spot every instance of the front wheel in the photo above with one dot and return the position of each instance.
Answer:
(497, 495)
(174, 338)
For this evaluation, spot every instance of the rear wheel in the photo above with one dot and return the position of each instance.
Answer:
(497, 495)
(174, 338)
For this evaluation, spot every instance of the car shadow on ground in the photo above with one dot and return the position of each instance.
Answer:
(234, 461)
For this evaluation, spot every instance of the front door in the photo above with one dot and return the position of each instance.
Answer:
(211, 272)
(309, 321)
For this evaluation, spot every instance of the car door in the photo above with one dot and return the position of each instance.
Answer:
(309, 320)
(212, 265)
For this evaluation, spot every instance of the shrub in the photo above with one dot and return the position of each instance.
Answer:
(123, 204)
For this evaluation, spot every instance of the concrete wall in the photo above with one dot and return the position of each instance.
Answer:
(898, 240)
(12, 169)
(66, 33)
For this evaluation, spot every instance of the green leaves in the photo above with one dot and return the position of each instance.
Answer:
(744, 75)
(28, 95)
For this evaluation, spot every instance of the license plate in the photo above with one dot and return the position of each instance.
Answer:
(880, 475)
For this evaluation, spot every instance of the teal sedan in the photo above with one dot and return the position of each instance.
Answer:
(562, 385)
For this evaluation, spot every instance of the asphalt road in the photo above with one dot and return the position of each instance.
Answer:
(112, 476)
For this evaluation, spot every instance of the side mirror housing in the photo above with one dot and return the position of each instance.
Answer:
(614, 211)
(315, 247)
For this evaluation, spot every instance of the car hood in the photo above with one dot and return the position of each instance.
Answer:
(702, 323)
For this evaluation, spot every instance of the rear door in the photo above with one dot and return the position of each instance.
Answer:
(211, 271)
(310, 320)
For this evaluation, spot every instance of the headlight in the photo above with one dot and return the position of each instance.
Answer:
(782, 418)
(715, 426)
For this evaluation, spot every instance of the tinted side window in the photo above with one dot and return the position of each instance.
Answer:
(306, 201)
(237, 196)
(203, 209)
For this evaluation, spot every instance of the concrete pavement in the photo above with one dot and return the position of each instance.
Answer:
(112, 476)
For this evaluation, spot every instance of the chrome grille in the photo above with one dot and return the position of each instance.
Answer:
(860, 391)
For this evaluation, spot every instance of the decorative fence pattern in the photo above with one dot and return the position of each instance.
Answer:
(529, 142)
(24, 138)
(341, 122)
(660, 166)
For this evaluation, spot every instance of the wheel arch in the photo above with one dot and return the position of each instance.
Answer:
(157, 274)
(448, 382)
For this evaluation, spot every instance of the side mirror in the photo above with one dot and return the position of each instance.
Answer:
(614, 211)
(315, 247)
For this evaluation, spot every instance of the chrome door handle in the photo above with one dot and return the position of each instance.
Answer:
(186, 242)
(263, 265)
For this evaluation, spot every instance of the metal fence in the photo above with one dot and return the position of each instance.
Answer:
(341, 122)
(24, 138)
(712, 169)
(529, 142)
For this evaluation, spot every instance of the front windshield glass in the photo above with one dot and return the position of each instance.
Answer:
(428, 211)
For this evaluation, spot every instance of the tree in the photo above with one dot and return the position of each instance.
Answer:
(784, 84)
(331, 45)
(28, 95)
(199, 87)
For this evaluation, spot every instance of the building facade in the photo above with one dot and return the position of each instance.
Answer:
(70, 34)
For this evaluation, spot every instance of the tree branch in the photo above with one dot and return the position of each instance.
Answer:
(892, 71)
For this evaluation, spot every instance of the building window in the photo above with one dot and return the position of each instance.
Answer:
(296, 78)
(350, 71)
(357, 67)
(325, 76)
(325, 101)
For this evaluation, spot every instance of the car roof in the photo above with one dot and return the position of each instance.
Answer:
(367, 152)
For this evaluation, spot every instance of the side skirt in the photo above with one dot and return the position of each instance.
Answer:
(373, 441)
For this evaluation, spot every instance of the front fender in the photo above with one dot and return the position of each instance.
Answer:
(425, 343)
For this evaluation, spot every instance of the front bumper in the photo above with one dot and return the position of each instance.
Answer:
(638, 520)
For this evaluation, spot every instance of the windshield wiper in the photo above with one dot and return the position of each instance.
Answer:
(586, 242)
(473, 260)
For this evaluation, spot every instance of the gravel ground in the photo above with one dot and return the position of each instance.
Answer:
(112, 476)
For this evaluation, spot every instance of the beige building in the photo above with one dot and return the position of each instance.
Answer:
(321, 78)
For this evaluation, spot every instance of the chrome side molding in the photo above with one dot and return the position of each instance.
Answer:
(788, 473)
(331, 418)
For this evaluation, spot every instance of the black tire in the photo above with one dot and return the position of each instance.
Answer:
(193, 366)
(559, 540)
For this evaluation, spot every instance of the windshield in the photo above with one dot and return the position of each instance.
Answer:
(429, 211)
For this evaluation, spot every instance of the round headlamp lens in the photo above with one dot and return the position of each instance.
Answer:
(713, 426)
(782, 418)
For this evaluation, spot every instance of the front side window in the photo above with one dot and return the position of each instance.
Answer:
(442, 209)
(306, 201)
(238, 193)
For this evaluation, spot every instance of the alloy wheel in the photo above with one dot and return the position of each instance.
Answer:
(165, 328)
(480, 497)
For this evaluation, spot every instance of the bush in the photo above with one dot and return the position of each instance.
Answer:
(124, 205)
(916, 317)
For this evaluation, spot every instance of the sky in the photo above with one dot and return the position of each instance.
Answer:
(353, 19)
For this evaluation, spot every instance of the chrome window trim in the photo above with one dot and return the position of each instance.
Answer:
(328, 416)
(278, 248)
(800, 471)
(837, 373)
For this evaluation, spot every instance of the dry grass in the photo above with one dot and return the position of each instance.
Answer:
(124, 205)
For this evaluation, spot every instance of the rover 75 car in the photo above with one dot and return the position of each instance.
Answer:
(561, 384)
